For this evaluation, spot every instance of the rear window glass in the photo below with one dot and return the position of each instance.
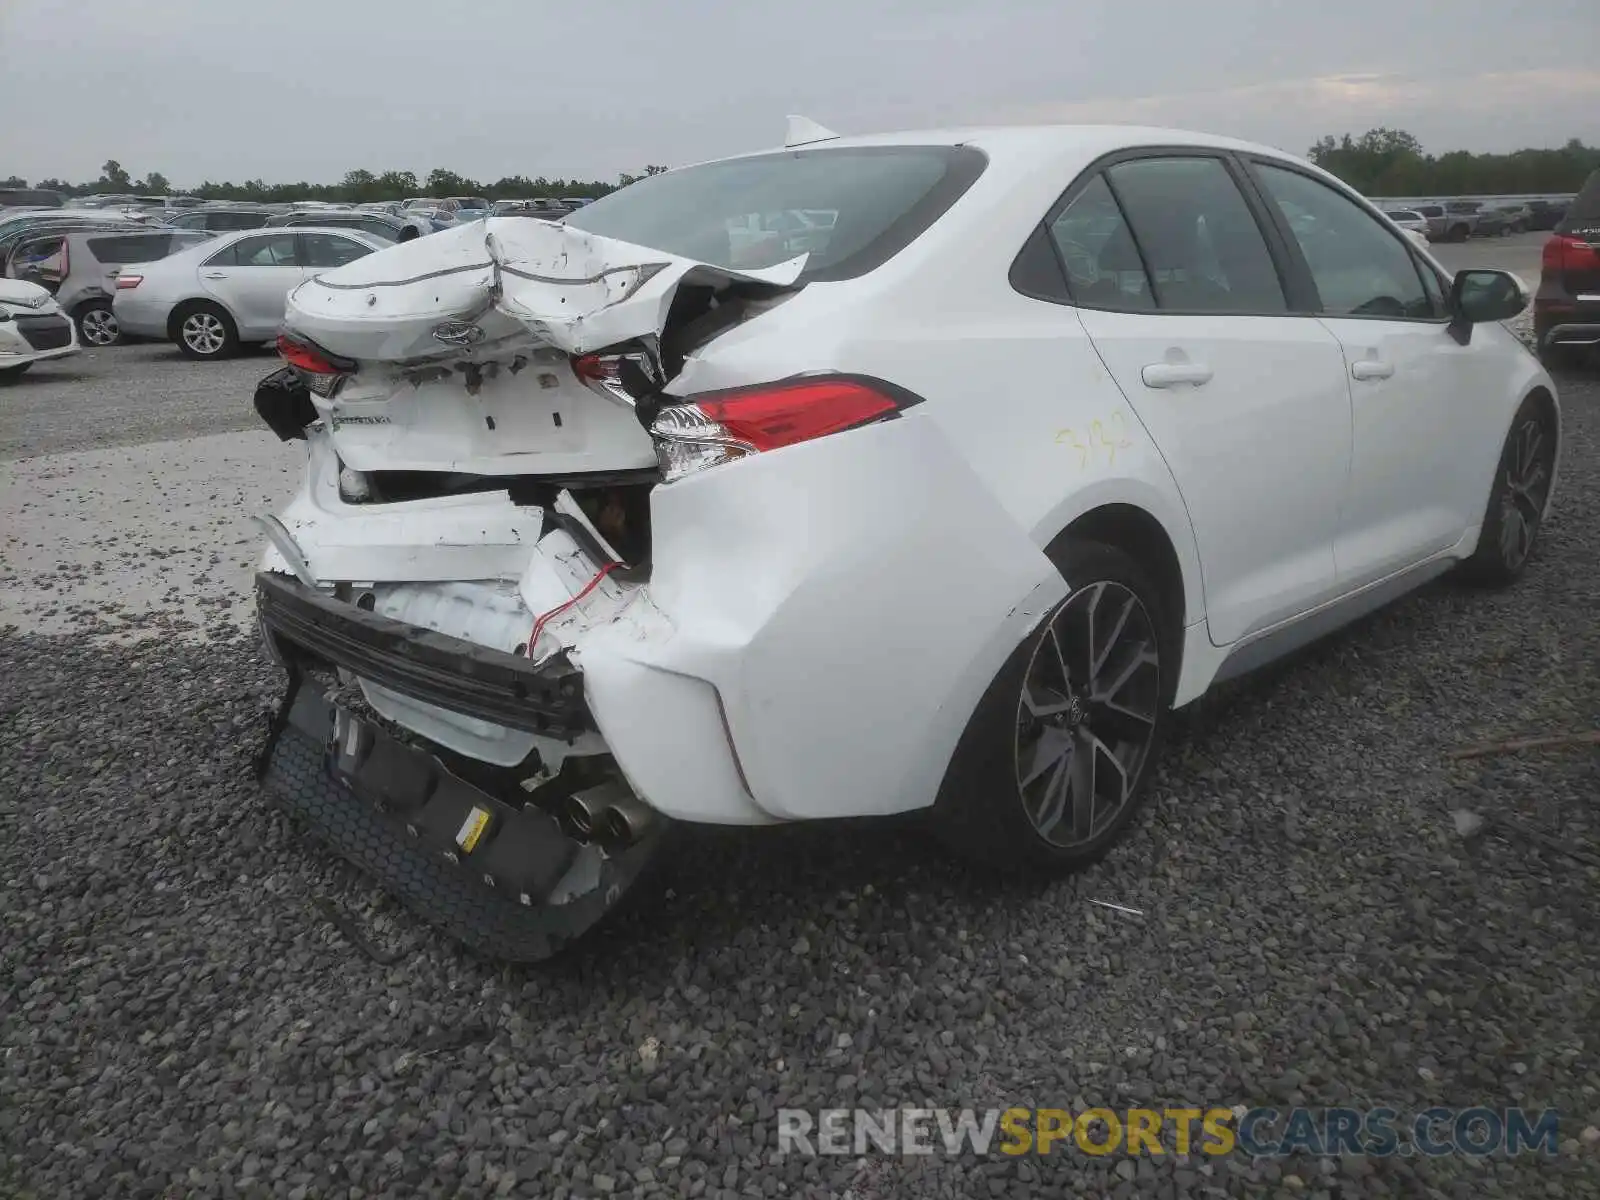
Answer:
(1584, 211)
(140, 248)
(850, 208)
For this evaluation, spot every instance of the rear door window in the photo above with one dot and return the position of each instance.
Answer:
(849, 208)
(267, 250)
(330, 250)
(1097, 251)
(1198, 239)
(138, 248)
(40, 260)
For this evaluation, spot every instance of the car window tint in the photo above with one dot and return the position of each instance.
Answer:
(848, 208)
(330, 250)
(1202, 246)
(230, 221)
(379, 229)
(41, 261)
(1360, 267)
(269, 250)
(1098, 252)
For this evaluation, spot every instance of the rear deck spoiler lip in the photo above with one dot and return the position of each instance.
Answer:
(304, 625)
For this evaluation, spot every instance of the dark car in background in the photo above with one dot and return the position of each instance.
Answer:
(380, 225)
(1566, 308)
(30, 198)
(549, 210)
(1546, 214)
(220, 219)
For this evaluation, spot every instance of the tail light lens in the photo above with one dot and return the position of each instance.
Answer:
(719, 427)
(126, 281)
(1562, 252)
(603, 373)
(323, 372)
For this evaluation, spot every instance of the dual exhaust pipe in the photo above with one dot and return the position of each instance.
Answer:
(609, 815)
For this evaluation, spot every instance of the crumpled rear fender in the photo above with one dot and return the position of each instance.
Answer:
(840, 605)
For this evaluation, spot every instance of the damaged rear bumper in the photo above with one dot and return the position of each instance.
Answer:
(505, 880)
(477, 681)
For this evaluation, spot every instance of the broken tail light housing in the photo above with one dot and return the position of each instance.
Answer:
(719, 427)
(323, 371)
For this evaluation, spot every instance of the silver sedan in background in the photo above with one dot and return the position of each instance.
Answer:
(230, 290)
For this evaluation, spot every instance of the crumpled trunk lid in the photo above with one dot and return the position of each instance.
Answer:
(465, 343)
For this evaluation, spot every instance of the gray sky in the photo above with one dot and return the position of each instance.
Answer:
(306, 89)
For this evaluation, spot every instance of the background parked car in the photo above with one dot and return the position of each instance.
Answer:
(438, 218)
(1517, 217)
(31, 328)
(1492, 222)
(79, 268)
(1546, 214)
(1566, 308)
(379, 225)
(465, 208)
(1461, 219)
(1409, 220)
(13, 229)
(30, 198)
(548, 210)
(211, 298)
(219, 220)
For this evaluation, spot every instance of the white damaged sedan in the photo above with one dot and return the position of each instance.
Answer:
(32, 328)
(866, 475)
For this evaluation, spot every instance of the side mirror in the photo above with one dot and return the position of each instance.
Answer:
(1477, 296)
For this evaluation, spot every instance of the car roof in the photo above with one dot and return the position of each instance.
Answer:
(1044, 141)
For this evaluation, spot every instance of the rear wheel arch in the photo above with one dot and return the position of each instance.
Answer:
(1142, 537)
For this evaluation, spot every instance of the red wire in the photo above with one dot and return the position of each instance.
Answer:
(538, 625)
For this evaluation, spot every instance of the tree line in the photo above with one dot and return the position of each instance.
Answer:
(1380, 162)
(357, 187)
(1391, 162)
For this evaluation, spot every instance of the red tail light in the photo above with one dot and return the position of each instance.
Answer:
(125, 281)
(1562, 252)
(719, 427)
(313, 360)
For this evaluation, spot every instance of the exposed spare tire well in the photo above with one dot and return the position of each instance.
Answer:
(1139, 535)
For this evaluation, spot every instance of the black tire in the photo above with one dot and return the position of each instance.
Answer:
(1514, 514)
(1458, 233)
(12, 374)
(204, 330)
(981, 812)
(97, 323)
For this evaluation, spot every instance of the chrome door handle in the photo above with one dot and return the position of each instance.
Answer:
(1371, 368)
(1169, 374)
(214, 275)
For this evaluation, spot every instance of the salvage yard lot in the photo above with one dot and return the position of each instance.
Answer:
(179, 1014)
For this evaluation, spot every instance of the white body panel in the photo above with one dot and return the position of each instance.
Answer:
(821, 620)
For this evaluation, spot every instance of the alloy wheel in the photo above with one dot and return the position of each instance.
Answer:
(1086, 719)
(203, 333)
(1524, 491)
(100, 327)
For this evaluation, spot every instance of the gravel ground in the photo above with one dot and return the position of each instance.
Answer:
(178, 1016)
